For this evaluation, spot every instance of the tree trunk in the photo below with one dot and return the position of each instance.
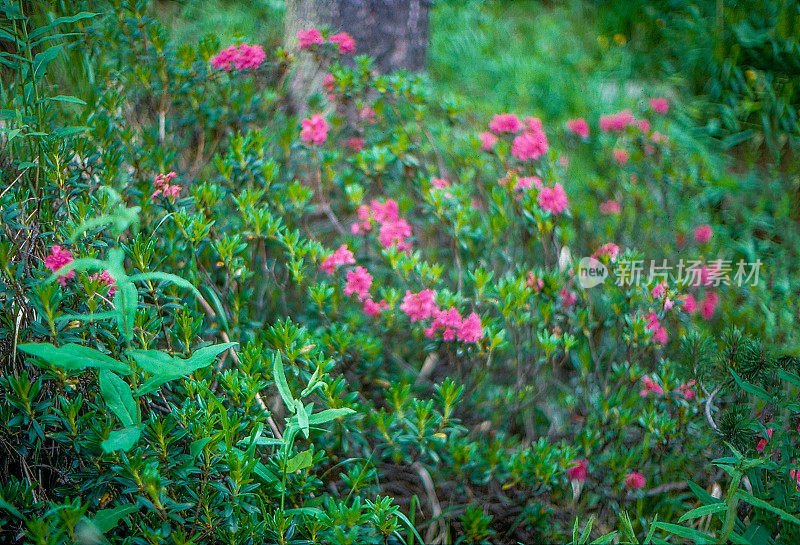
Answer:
(393, 32)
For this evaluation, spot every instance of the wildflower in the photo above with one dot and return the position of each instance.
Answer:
(164, 187)
(658, 291)
(368, 114)
(373, 309)
(536, 283)
(620, 156)
(658, 138)
(529, 145)
(488, 140)
(249, 57)
(578, 470)
(347, 45)
(569, 298)
(563, 160)
(439, 183)
(342, 256)
(702, 233)
(526, 182)
(315, 130)
(471, 330)
(689, 303)
(763, 442)
(660, 336)
(501, 123)
(553, 199)
(617, 122)
(354, 143)
(610, 207)
(660, 105)
(307, 38)
(668, 303)
(358, 282)
(225, 58)
(419, 306)
(687, 390)
(386, 211)
(644, 125)
(363, 225)
(395, 232)
(579, 127)
(329, 83)
(635, 480)
(709, 305)
(449, 320)
(650, 385)
(105, 279)
(608, 249)
(58, 258)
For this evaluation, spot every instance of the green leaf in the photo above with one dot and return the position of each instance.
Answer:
(197, 446)
(10, 508)
(74, 357)
(64, 98)
(58, 21)
(106, 519)
(299, 461)
(41, 60)
(280, 381)
(689, 533)
(266, 475)
(751, 388)
(703, 510)
(122, 439)
(119, 398)
(162, 364)
(302, 416)
(327, 415)
(791, 378)
(758, 502)
(586, 531)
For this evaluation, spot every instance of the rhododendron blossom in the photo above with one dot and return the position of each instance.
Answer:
(419, 306)
(439, 183)
(702, 233)
(658, 291)
(449, 320)
(358, 282)
(650, 385)
(579, 470)
(307, 38)
(554, 199)
(762, 443)
(689, 303)
(105, 279)
(608, 249)
(501, 123)
(488, 140)
(471, 330)
(527, 182)
(347, 45)
(579, 127)
(241, 57)
(660, 105)
(373, 309)
(620, 155)
(610, 207)
(687, 390)
(329, 83)
(342, 256)
(529, 145)
(708, 305)
(644, 125)
(395, 233)
(635, 480)
(163, 186)
(58, 258)
(568, 297)
(315, 130)
(617, 122)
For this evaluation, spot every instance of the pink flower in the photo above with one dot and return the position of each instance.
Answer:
(644, 125)
(250, 57)
(529, 145)
(501, 123)
(439, 183)
(342, 256)
(58, 258)
(658, 138)
(553, 199)
(387, 211)
(620, 155)
(616, 122)
(225, 58)
(579, 470)
(363, 225)
(373, 309)
(315, 130)
(395, 232)
(658, 291)
(449, 320)
(347, 45)
(368, 114)
(329, 82)
(795, 474)
(488, 140)
(106, 279)
(763, 442)
(579, 127)
(709, 305)
(471, 330)
(635, 480)
(527, 182)
(660, 336)
(307, 38)
(687, 389)
(702, 233)
(608, 249)
(650, 385)
(660, 105)
(668, 303)
(419, 306)
(569, 298)
(689, 303)
(354, 143)
(164, 187)
(358, 282)
(563, 160)
(610, 207)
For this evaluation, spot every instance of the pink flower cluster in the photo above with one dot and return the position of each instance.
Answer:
(358, 282)
(106, 279)
(422, 306)
(702, 233)
(164, 187)
(553, 199)
(654, 326)
(488, 140)
(635, 480)
(617, 122)
(610, 207)
(650, 385)
(242, 57)
(342, 256)
(578, 127)
(608, 249)
(707, 306)
(660, 105)
(394, 230)
(621, 156)
(58, 258)
(530, 145)
(505, 123)
(315, 130)
(312, 36)
(579, 471)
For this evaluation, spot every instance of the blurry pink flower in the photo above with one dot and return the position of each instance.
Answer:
(395, 232)
(553, 199)
(342, 256)
(164, 188)
(106, 279)
(439, 183)
(488, 140)
(563, 160)
(658, 291)
(569, 298)
(763, 442)
(249, 57)
(658, 138)
(608, 249)
(58, 258)
(358, 282)
(526, 182)
(329, 83)
(354, 143)
(501, 123)
(419, 306)
(668, 303)
(579, 470)
(368, 114)
(315, 130)
(660, 105)
(225, 58)
(687, 389)
(650, 385)
(702, 233)
(660, 335)
(709, 305)
(635, 480)
(689, 303)
(610, 207)
(386, 211)
(307, 38)
(363, 225)
(373, 309)
(347, 45)
(644, 125)
(529, 145)
(620, 155)
(579, 127)
(471, 330)
(449, 320)
(616, 122)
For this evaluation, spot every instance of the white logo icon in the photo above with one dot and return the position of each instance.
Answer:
(591, 272)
